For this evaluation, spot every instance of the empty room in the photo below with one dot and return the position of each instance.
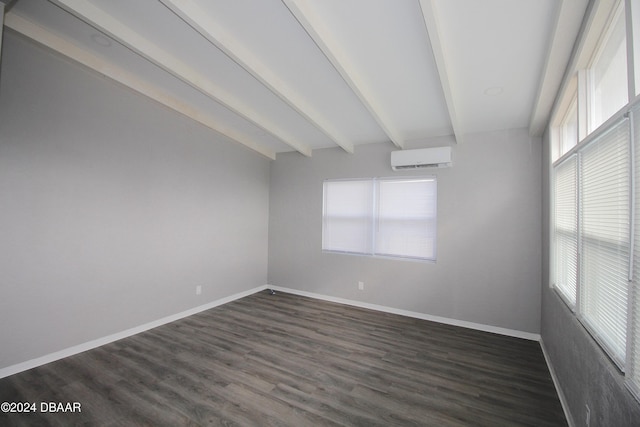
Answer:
(320, 212)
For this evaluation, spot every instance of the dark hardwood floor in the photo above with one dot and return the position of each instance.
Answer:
(286, 360)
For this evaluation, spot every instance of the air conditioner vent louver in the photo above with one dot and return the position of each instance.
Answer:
(439, 157)
(429, 165)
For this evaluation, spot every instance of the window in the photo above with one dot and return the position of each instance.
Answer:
(633, 334)
(607, 84)
(605, 238)
(394, 217)
(592, 235)
(565, 130)
(596, 188)
(566, 229)
(569, 137)
(635, 30)
(599, 86)
(348, 216)
(633, 364)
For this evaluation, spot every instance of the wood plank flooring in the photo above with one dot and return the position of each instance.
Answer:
(286, 360)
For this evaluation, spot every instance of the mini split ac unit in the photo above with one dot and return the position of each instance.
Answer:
(439, 157)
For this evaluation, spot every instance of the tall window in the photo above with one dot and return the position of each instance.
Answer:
(592, 235)
(385, 217)
(596, 190)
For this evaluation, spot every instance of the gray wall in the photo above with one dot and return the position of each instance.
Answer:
(112, 208)
(585, 374)
(489, 243)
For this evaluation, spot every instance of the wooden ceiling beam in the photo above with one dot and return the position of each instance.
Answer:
(202, 22)
(65, 47)
(429, 14)
(322, 37)
(106, 23)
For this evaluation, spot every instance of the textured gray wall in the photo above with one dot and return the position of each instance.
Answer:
(488, 267)
(112, 208)
(585, 374)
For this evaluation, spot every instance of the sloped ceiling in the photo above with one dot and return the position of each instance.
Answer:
(298, 75)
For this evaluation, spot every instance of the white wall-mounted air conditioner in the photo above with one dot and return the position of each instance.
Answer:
(438, 157)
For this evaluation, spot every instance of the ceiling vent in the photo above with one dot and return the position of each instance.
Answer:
(439, 157)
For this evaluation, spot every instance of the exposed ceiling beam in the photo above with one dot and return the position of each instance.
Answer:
(209, 28)
(340, 60)
(98, 18)
(429, 14)
(568, 19)
(84, 57)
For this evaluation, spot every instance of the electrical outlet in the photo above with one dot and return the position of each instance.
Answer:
(587, 416)
(198, 290)
(361, 286)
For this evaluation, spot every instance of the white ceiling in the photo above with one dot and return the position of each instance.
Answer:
(298, 75)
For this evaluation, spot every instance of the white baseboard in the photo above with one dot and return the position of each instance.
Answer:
(556, 383)
(445, 320)
(14, 369)
(23, 366)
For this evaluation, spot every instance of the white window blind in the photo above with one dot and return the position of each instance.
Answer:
(633, 333)
(566, 229)
(386, 217)
(348, 216)
(633, 364)
(406, 218)
(605, 234)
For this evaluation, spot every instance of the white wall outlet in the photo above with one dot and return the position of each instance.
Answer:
(198, 290)
(361, 286)
(587, 419)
